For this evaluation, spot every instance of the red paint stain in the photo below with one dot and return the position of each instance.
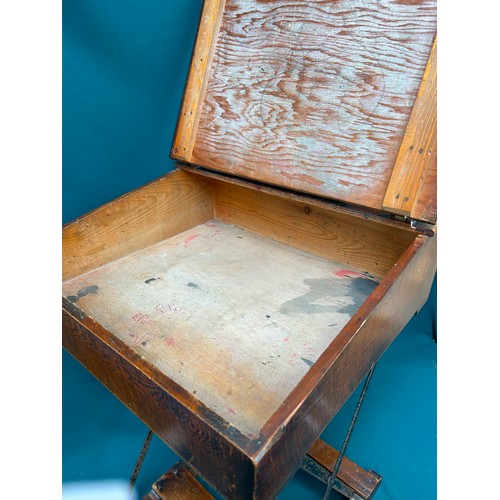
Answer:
(286, 339)
(211, 224)
(170, 341)
(349, 273)
(293, 361)
(189, 239)
(232, 411)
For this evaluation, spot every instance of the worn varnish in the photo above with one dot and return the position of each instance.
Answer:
(314, 96)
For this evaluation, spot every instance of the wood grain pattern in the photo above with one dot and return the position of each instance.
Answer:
(425, 207)
(335, 376)
(143, 217)
(314, 96)
(354, 241)
(197, 80)
(418, 153)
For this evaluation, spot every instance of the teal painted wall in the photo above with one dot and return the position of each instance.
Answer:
(124, 68)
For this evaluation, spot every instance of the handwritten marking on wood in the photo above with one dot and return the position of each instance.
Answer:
(316, 95)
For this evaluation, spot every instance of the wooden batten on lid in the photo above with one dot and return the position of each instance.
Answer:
(330, 98)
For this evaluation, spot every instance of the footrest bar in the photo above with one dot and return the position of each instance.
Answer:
(178, 483)
(352, 481)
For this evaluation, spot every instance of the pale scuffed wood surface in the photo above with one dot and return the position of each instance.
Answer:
(233, 317)
(314, 96)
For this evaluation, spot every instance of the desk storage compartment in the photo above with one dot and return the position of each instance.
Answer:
(235, 320)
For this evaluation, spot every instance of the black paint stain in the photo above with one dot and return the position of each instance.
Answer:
(84, 291)
(194, 285)
(354, 290)
(308, 362)
(150, 280)
(360, 288)
(72, 309)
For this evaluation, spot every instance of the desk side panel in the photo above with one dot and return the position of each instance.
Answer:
(354, 241)
(334, 377)
(172, 415)
(137, 219)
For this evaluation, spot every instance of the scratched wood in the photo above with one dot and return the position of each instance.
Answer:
(314, 96)
(231, 316)
(418, 153)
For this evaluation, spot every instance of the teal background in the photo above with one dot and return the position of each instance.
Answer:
(124, 68)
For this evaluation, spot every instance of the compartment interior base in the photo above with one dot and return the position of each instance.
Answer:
(235, 318)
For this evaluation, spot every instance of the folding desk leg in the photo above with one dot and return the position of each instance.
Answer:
(322, 461)
(140, 459)
(339, 473)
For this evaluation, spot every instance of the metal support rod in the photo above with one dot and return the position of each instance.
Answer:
(141, 457)
(347, 438)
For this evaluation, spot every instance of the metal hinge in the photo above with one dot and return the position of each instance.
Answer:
(422, 227)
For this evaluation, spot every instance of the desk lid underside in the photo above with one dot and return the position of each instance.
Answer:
(234, 318)
(314, 96)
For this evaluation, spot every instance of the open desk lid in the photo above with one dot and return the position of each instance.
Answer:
(335, 98)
